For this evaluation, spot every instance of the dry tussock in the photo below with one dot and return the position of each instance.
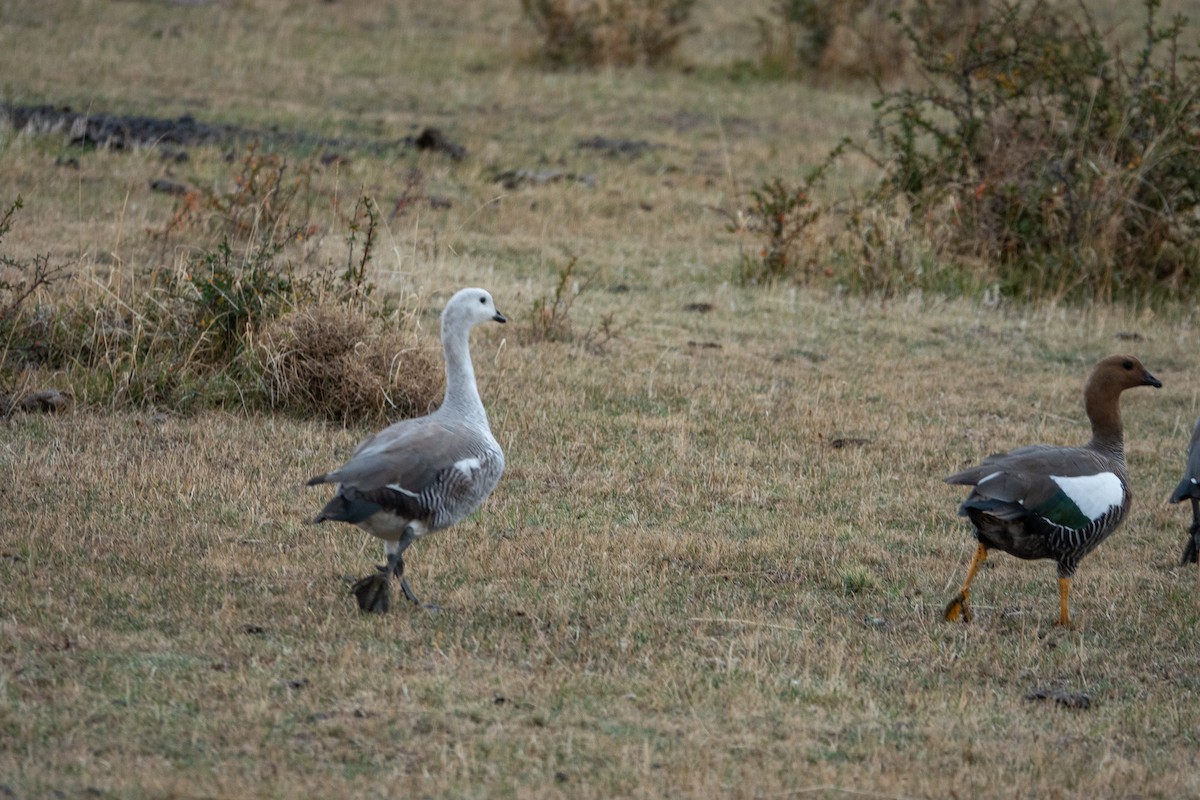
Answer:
(328, 362)
(862, 42)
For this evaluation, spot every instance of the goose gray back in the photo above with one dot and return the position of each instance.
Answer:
(424, 474)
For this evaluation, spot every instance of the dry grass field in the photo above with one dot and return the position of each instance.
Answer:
(717, 562)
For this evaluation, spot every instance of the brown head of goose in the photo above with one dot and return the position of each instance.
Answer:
(1045, 501)
(424, 474)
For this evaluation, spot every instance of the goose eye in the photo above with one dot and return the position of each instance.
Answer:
(1128, 365)
(483, 300)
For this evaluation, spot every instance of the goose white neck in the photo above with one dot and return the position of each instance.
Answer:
(462, 393)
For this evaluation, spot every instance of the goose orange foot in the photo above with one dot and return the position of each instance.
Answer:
(958, 607)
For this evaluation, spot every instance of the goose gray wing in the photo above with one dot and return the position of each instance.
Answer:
(423, 469)
(409, 454)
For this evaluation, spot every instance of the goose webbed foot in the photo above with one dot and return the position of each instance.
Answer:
(958, 608)
(374, 592)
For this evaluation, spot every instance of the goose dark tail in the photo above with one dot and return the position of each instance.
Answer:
(347, 506)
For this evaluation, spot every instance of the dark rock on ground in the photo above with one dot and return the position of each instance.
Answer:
(512, 178)
(631, 148)
(44, 401)
(434, 139)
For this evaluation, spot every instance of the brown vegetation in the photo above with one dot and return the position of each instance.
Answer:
(326, 362)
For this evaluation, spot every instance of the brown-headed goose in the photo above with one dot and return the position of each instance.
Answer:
(425, 474)
(1053, 502)
(1189, 488)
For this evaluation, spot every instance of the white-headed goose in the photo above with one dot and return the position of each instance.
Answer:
(1053, 502)
(424, 474)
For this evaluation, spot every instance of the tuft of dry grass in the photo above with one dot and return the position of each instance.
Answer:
(328, 363)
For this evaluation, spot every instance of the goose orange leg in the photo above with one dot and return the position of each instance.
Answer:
(957, 607)
(1064, 594)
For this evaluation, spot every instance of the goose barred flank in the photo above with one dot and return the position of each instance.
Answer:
(1052, 502)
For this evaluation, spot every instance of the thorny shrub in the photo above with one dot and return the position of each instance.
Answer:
(783, 217)
(21, 278)
(550, 317)
(854, 38)
(1047, 159)
(780, 215)
(261, 199)
(230, 294)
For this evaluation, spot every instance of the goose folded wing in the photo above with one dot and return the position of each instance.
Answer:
(1066, 486)
(406, 457)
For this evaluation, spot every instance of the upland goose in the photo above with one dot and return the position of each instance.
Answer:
(1189, 488)
(1054, 502)
(424, 474)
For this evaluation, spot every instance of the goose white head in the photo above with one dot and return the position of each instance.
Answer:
(469, 307)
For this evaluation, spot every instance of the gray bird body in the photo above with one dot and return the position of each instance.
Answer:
(1189, 489)
(1189, 486)
(429, 473)
(422, 475)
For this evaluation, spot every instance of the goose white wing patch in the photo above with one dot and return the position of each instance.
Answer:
(1094, 495)
(467, 465)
